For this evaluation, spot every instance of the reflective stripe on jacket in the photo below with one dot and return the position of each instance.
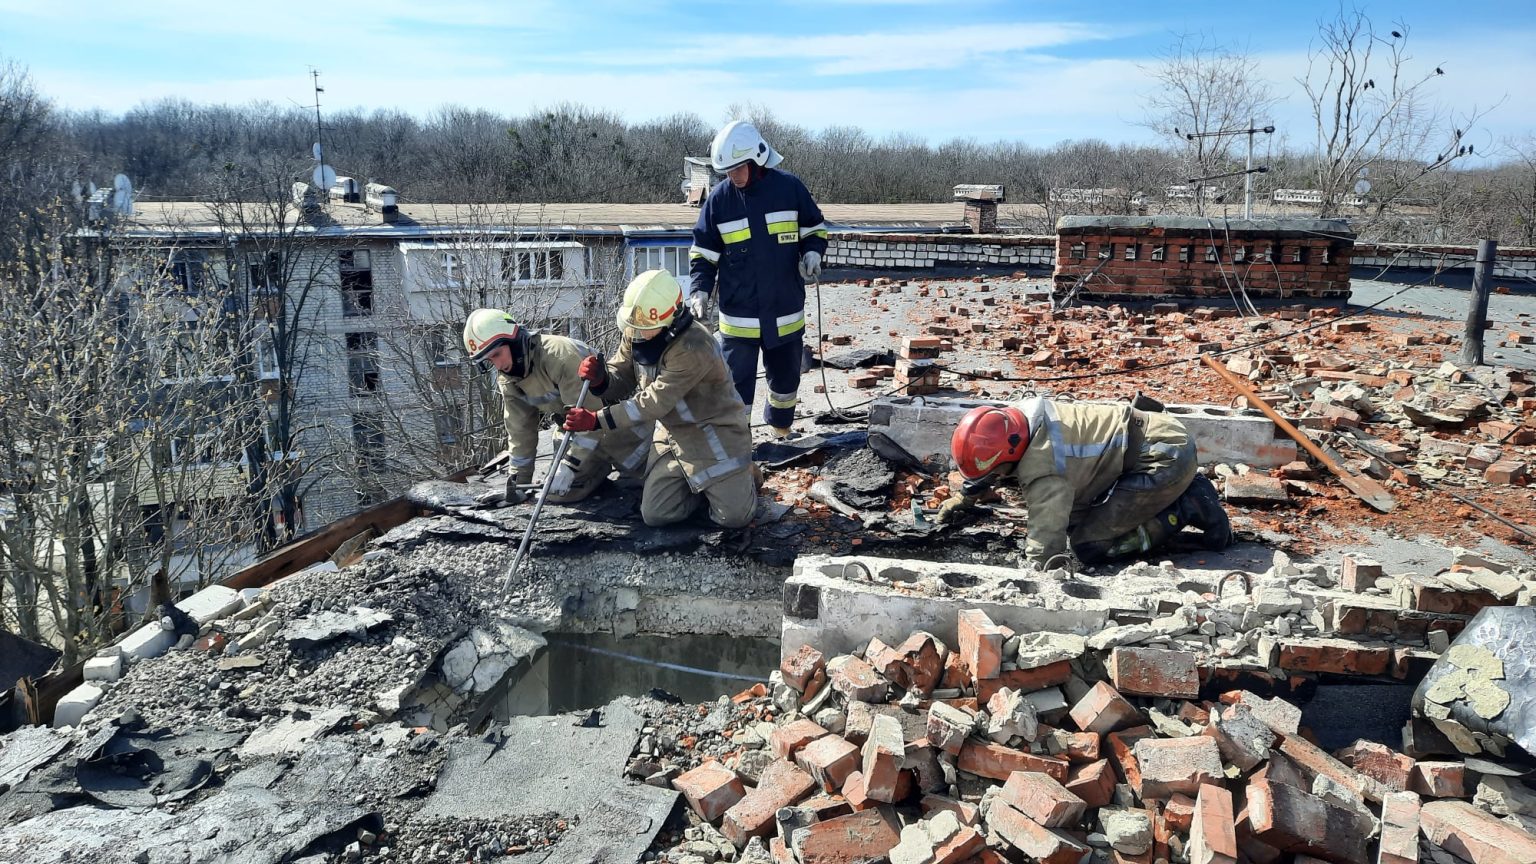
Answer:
(690, 394)
(747, 244)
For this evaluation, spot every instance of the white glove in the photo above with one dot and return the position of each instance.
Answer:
(564, 477)
(810, 265)
(698, 304)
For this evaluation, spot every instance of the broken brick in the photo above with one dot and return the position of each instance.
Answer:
(1179, 812)
(780, 785)
(1177, 765)
(1094, 783)
(1025, 680)
(1102, 709)
(1476, 836)
(948, 726)
(1295, 821)
(1387, 766)
(857, 680)
(1154, 672)
(1439, 779)
(985, 759)
(1399, 829)
(882, 759)
(981, 643)
(863, 836)
(966, 812)
(1122, 745)
(710, 789)
(829, 761)
(1033, 839)
(924, 656)
(1505, 472)
(1043, 799)
(1312, 760)
(1243, 739)
(1358, 574)
(1339, 656)
(1212, 834)
(789, 738)
(798, 667)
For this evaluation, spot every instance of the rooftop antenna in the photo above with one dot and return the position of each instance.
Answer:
(324, 174)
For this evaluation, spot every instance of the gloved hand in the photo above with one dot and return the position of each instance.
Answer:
(592, 369)
(698, 304)
(951, 509)
(810, 265)
(580, 419)
(565, 475)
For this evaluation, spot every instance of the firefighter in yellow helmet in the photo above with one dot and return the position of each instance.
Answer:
(537, 377)
(1106, 480)
(668, 370)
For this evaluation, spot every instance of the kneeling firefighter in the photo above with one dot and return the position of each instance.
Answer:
(537, 377)
(669, 370)
(1110, 480)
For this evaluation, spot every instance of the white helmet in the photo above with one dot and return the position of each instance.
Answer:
(740, 142)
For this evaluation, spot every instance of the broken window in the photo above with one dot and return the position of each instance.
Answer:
(1130, 251)
(1079, 250)
(356, 267)
(1213, 254)
(363, 363)
(1326, 254)
(1239, 254)
(449, 426)
(368, 441)
(189, 270)
(1299, 255)
(1159, 252)
(1184, 254)
(1106, 250)
(264, 272)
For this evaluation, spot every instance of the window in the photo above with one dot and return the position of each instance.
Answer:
(449, 426)
(1299, 255)
(673, 259)
(1130, 251)
(265, 272)
(1106, 250)
(189, 270)
(1184, 254)
(1159, 252)
(368, 441)
(532, 265)
(450, 262)
(1080, 250)
(363, 363)
(356, 282)
(1213, 254)
(1239, 254)
(267, 368)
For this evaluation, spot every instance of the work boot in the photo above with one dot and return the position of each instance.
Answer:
(1200, 507)
(780, 432)
(757, 477)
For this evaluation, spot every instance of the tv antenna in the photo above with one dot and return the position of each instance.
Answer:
(1247, 172)
(324, 174)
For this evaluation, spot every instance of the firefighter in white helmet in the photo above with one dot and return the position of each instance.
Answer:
(668, 370)
(760, 237)
(537, 377)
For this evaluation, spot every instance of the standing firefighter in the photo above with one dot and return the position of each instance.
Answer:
(1111, 480)
(537, 376)
(668, 369)
(759, 238)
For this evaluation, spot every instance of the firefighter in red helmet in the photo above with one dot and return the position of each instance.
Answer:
(1103, 480)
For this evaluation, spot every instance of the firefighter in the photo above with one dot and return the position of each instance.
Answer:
(536, 374)
(1106, 480)
(668, 370)
(760, 237)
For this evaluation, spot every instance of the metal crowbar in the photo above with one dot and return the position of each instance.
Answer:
(538, 505)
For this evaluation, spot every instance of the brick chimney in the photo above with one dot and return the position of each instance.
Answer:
(981, 202)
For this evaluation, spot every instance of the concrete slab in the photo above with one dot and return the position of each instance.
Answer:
(211, 603)
(147, 641)
(104, 668)
(76, 704)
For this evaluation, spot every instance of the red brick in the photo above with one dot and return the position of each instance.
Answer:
(1122, 746)
(1094, 783)
(883, 754)
(1179, 812)
(885, 660)
(829, 761)
(1154, 672)
(1470, 833)
(779, 852)
(1104, 710)
(1033, 839)
(1380, 762)
(1359, 574)
(1243, 739)
(1339, 656)
(924, 657)
(1043, 799)
(863, 836)
(1294, 821)
(1082, 746)
(996, 761)
(780, 785)
(1312, 761)
(981, 644)
(787, 740)
(1439, 779)
(948, 726)
(826, 806)
(1025, 680)
(1399, 829)
(1177, 765)
(800, 666)
(1212, 834)
(854, 793)
(857, 680)
(1506, 472)
(711, 789)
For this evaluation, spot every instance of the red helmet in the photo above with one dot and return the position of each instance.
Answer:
(986, 438)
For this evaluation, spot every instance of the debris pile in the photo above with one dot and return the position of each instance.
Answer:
(1058, 748)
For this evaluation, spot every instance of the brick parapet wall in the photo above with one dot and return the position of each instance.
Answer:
(880, 251)
(1515, 261)
(1132, 258)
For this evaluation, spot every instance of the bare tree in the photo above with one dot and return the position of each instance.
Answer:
(1374, 115)
(1204, 87)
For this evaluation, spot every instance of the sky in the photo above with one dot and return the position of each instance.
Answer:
(1038, 71)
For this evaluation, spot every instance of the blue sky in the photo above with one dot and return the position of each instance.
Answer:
(1038, 71)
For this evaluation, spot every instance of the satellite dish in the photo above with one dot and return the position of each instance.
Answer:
(1362, 187)
(316, 151)
(122, 195)
(324, 176)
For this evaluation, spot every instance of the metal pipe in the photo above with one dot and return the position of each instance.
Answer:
(538, 505)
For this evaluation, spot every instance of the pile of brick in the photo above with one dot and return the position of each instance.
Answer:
(1002, 750)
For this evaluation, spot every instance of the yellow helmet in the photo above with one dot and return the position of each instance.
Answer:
(651, 301)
